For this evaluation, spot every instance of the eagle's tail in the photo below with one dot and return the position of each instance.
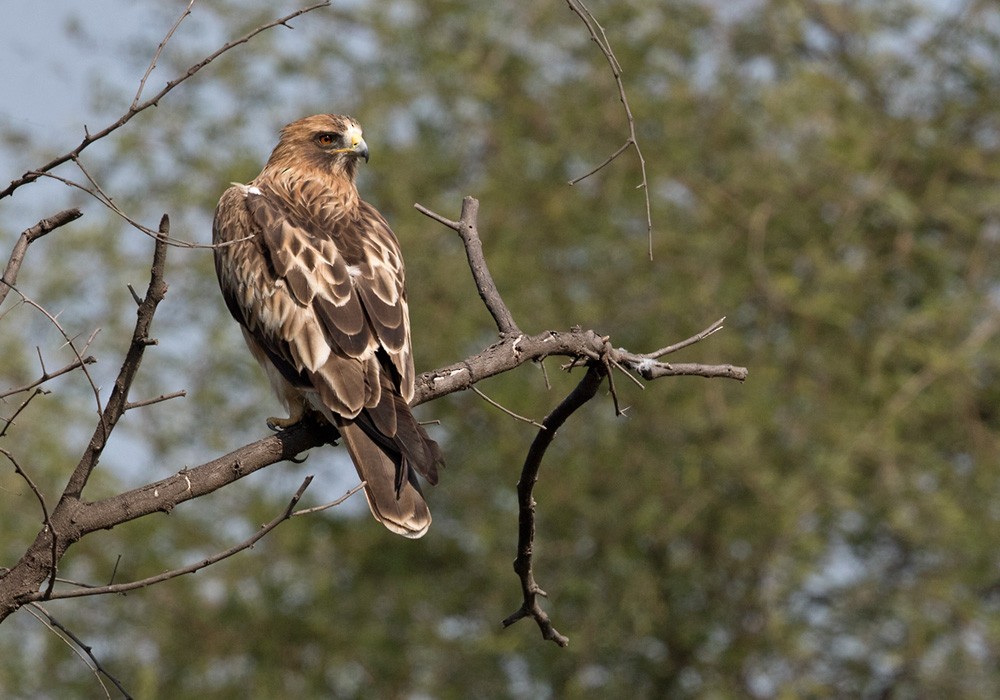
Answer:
(391, 485)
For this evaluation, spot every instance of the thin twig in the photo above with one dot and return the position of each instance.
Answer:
(90, 138)
(191, 568)
(46, 376)
(624, 370)
(9, 422)
(70, 343)
(506, 410)
(31, 485)
(159, 50)
(87, 649)
(129, 405)
(697, 337)
(598, 35)
(612, 389)
(581, 394)
(42, 616)
(331, 504)
(101, 196)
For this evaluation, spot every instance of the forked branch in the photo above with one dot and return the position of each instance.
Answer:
(581, 394)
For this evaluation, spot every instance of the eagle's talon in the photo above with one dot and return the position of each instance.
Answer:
(279, 424)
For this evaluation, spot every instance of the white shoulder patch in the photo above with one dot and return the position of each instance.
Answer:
(245, 190)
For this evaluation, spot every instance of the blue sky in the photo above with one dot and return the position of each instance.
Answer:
(53, 50)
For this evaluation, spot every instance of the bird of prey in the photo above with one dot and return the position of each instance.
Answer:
(314, 276)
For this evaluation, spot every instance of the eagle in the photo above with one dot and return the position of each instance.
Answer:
(314, 276)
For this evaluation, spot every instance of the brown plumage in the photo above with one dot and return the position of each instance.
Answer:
(315, 279)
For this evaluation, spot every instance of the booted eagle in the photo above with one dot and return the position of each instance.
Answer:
(314, 277)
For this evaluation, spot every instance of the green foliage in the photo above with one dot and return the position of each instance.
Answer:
(822, 173)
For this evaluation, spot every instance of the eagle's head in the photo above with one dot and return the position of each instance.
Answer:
(329, 143)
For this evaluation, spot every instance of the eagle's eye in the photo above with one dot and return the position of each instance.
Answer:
(326, 139)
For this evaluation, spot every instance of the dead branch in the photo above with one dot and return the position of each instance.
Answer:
(28, 237)
(70, 343)
(41, 560)
(581, 394)
(331, 504)
(159, 50)
(468, 228)
(696, 338)
(506, 410)
(9, 422)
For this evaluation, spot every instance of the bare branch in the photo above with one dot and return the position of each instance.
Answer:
(153, 101)
(28, 237)
(598, 35)
(648, 369)
(66, 637)
(603, 164)
(580, 395)
(190, 569)
(576, 343)
(468, 229)
(117, 402)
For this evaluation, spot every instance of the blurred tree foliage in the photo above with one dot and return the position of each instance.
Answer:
(824, 172)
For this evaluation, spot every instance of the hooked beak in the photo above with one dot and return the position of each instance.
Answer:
(360, 149)
(357, 147)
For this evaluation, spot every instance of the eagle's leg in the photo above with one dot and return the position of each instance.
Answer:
(296, 411)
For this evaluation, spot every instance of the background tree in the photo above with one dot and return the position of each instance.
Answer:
(824, 173)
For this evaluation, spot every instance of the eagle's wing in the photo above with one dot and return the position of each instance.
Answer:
(323, 299)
